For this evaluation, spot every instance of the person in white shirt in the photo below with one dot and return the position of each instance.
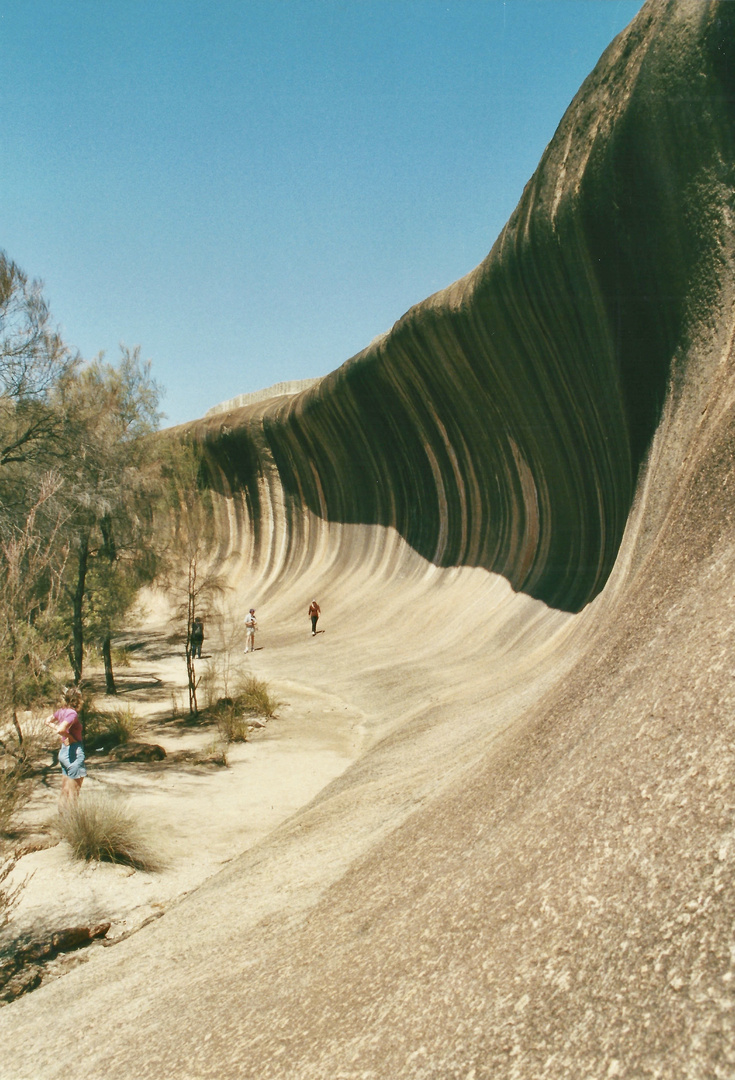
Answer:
(251, 625)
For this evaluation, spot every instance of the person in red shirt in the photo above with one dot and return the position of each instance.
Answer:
(314, 613)
(71, 755)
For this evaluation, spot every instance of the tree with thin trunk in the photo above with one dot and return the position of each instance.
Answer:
(33, 362)
(31, 571)
(111, 479)
(189, 575)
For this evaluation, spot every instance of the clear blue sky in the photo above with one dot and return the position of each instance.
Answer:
(253, 189)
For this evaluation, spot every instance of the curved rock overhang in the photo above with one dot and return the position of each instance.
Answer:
(503, 422)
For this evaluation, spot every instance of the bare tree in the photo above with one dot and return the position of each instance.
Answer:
(189, 573)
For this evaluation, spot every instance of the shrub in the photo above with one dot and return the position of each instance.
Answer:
(9, 894)
(231, 724)
(111, 728)
(210, 683)
(254, 697)
(102, 829)
(14, 792)
(38, 741)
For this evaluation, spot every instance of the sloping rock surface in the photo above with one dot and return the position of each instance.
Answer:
(530, 873)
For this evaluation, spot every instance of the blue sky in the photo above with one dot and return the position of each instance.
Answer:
(251, 190)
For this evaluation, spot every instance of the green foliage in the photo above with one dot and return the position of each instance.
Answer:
(101, 829)
(111, 478)
(33, 362)
(121, 656)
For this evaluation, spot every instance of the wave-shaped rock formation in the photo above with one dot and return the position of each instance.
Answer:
(517, 508)
(502, 422)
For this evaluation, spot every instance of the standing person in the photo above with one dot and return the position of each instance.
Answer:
(251, 625)
(71, 755)
(197, 638)
(314, 613)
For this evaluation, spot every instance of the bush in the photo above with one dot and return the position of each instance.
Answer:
(14, 792)
(102, 829)
(231, 724)
(254, 697)
(9, 894)
(111, 728)
(38, 742)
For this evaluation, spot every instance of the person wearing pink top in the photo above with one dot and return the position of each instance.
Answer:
(71, 755)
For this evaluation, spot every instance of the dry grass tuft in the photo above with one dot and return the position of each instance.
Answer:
(254, 697)
(231, 724)
(235, 715)
(102, 829)
(112, 727)
(9, 894)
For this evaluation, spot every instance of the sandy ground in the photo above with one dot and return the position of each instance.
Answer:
(197, 816)
(373, 670)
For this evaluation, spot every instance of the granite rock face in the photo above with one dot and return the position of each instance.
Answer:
(530, 875)
(503, 422)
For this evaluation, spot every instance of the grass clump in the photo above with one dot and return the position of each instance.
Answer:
(101, 829)
(112, 727)
(254, 697)
(231, 724)
(235, 715)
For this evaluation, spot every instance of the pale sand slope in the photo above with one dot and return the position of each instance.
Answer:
(443, 663)
(508, 883)
(197, 816)
(529, 871)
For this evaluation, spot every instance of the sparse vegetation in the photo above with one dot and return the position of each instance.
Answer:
(253, 696)
(234, 715)
(111, 727)
(9, 894)
(14, 791)
(38, 742)
(215, 753)
(120, 656)
(231, 724)
(177, 704)
(102, 829)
